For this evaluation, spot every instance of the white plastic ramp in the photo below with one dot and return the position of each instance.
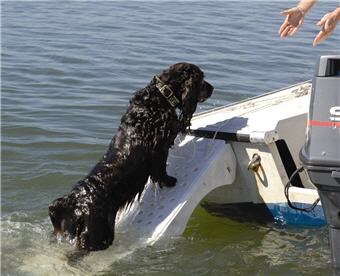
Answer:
(200, 166)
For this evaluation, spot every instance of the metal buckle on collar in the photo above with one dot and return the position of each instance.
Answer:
(166, 91)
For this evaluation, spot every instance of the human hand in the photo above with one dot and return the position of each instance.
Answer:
(327, 24)
(293, 21)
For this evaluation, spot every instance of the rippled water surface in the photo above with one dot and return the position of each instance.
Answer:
(68, 71)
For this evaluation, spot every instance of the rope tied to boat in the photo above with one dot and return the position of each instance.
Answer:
(286, 192)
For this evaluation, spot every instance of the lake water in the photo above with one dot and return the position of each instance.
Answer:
(68, 71)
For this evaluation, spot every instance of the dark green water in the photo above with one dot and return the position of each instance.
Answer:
(68, 71)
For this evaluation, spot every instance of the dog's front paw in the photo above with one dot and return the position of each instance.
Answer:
(168, 181)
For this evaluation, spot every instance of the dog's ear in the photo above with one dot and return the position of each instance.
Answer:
(189, 98)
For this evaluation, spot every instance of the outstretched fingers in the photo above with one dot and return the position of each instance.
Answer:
(322, 35)
(292, 23)
(327, 24)
(285, 28)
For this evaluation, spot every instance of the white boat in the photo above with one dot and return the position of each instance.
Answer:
(268, 130)
(236, 156)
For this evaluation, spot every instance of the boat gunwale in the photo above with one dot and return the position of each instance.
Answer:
(197, 115)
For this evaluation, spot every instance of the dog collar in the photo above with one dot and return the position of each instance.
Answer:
(167, 93)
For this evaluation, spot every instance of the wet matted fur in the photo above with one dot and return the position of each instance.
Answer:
(86, 216)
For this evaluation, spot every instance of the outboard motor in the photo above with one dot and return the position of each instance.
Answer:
(320, 154)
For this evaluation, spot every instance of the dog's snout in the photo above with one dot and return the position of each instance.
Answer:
(207, 86)
(205, 92)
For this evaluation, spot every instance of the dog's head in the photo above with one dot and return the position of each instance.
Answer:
(84, 226)
(187, 82)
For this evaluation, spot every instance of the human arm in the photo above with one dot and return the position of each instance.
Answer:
(327, 24)
(295, 17)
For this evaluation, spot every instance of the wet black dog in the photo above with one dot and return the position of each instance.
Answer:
(157, 113)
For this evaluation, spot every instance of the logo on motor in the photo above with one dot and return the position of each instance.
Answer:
(335, 113)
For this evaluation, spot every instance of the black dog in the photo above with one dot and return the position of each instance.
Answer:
(157, 113)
